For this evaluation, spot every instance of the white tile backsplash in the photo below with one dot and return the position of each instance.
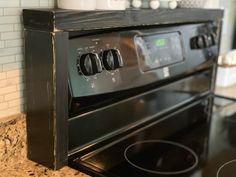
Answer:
(13, 73)
(19, 57)
(9, 19)
(12, 66)
(11, 35)
(6, 28)
(43, 3)
(12, 11)
(9, 3)
(10, 81)
(3, 75)
(7, 59)
(1, 11)
(30, 3)
(1, 99)
(2, 45)
(11, 53)
(18, 27)
(14, 43)
(13, 96)
(8, 90)
(14, 103)
(3, 106)
(10, 111)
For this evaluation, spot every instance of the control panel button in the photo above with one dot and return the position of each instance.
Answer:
(89, 64)
(112, 59)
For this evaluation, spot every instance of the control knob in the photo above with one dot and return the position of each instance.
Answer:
(200, 42)
(89, 64)
(111, 59)
(203, 41)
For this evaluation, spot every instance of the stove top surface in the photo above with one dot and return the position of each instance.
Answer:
(205, 149)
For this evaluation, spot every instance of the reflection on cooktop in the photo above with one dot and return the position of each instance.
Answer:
(195, 148)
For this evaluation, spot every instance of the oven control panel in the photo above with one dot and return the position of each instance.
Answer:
(121, 60)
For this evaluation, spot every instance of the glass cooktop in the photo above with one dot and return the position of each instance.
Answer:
(198, 147)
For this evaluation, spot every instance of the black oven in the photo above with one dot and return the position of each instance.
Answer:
(139, 92)
(129, 98)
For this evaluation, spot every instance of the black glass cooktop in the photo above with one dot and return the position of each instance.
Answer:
(187, 143)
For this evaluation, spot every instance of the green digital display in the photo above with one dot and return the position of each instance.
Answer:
(160, 42)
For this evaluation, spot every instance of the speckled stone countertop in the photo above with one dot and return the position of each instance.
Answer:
(13, 160)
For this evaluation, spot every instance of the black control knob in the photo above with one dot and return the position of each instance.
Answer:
(203, 41)
(89, 64)
(112, 59)
(198, 42)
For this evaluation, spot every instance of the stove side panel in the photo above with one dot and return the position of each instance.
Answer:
(46, 97)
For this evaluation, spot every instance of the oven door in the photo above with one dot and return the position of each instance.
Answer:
(175, 145)
(91, 128)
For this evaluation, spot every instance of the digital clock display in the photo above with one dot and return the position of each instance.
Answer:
(161, 42)
(159, 50)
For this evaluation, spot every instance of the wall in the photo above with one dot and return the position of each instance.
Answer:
(228, 24)
(11, 53)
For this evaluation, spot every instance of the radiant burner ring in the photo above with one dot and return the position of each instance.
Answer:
(224, 166)
(175, 145)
